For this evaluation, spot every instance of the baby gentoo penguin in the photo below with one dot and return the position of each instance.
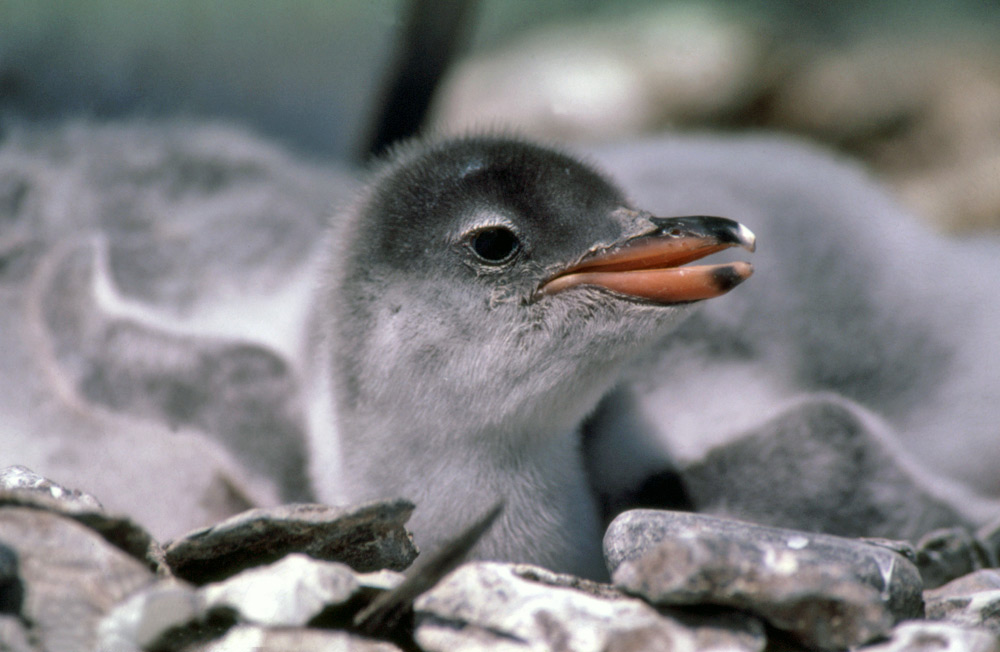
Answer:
(479, 299)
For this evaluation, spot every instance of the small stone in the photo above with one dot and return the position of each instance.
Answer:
(24, 482)
(827, 591)
(287, 593)
(261, 639)
(918, 636)
(387, 610)
(494, 606)
(946, 554)
(970, 601)
(143, 619)
(20, 486)
(366, 537)
(904, 548)
(71, 576)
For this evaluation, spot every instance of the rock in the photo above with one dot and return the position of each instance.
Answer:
(838, 476)
(287, 593)
(141, 621)
(262, 639)
(70, 576)
(24, 482)
(292, 592)
(21, 486)
(494, 606)
(389, 609)
(946, 554)
(934, 637)
(368, 537)
(904, 548)
(969, 601)
(827, 591)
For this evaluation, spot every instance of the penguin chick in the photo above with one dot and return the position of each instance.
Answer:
(478, 300)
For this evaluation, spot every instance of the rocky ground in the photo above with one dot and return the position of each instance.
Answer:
(127, 373)
(311, 577)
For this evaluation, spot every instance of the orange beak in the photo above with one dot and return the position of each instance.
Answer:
(649, 267)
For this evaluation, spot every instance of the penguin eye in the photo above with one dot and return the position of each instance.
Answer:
(495, 244)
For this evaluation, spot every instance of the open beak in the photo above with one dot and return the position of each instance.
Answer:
(649, 267)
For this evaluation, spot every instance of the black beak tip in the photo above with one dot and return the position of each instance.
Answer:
(720, 229)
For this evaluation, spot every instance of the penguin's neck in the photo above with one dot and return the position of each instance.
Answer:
(550, 515)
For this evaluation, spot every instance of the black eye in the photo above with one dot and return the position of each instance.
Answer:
(496, 244)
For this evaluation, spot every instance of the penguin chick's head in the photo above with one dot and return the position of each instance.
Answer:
(490, 283)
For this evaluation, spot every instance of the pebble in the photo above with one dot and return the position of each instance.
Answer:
(936, 637)
(289, 593)
(69, 574)
(20, 486)
(969, 601)
(19, 482)
(494, 606)
(829, 592)
(366, 537)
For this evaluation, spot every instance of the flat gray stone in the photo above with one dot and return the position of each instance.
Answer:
(826, 591)
(366, 537)
(919, 636)
(70, 575)
(494, 606)
(262, 639)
